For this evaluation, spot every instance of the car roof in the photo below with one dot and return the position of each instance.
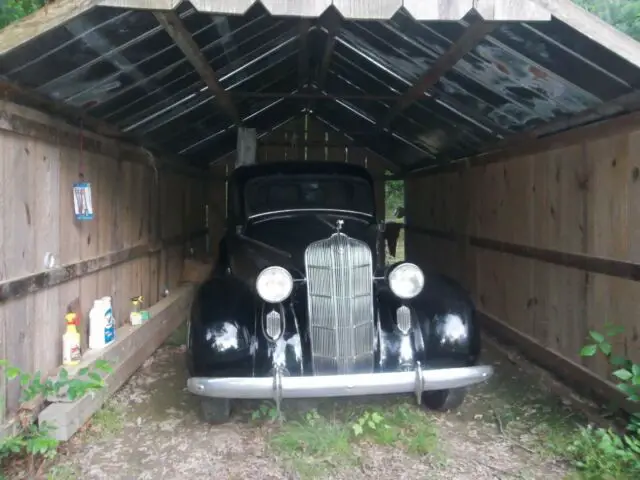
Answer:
(247, 172)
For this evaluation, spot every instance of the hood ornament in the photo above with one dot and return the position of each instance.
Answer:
(339, 224)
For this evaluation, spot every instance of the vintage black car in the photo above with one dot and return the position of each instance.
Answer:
(301, 304)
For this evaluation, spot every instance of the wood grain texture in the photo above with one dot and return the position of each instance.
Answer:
(115, 254)
(553, 237)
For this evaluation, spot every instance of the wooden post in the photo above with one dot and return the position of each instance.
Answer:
(246, 146)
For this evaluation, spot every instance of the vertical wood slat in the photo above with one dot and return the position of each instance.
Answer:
(36, 216)
(19, 245)
(580, 198)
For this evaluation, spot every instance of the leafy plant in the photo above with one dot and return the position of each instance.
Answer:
(368, 421)
(34, 440)
(266, 411)
(603, 453)
(12, 10)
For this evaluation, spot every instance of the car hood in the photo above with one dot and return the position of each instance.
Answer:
(290, 235)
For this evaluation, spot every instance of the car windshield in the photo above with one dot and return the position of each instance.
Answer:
(300, 192)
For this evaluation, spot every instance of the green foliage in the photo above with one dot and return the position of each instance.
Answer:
(12, 10)
(394, 195)
(622, 14)
(602, 453)
(315, 443)
(34, 440)
(369, 422)
(266, 412)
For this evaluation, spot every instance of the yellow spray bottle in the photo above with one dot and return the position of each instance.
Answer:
(71, 341)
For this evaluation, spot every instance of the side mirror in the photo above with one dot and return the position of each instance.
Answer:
(399, 212)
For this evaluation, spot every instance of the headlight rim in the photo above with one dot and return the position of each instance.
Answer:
(404, 264)
(281, 269)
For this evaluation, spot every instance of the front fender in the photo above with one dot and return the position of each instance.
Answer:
(444, 330)
(221, 328)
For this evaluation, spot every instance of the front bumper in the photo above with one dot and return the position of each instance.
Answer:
(279, 387)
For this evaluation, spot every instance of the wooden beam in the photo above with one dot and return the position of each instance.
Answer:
(311, 95)
(183, 39)
(26, 112)
(529, 146)
(333, 25)
(303, 53)
(476, 31)
(133, 345)
(24, 96)
(587, 263)
(594, 28)
(20, 287)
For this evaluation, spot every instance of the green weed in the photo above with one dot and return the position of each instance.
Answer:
(315, 445)
(604, 454)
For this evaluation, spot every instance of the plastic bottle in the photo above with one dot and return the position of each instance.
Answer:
(71, 341)
(97, 324)
(110, 322)
(136, 316)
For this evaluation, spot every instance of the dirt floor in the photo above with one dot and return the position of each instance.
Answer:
(151, 429)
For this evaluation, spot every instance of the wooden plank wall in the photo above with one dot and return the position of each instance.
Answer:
(548, 242)
(140, 215)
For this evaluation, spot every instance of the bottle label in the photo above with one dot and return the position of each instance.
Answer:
(109, 328)
(75, 353)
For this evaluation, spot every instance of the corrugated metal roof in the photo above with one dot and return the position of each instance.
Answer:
(119, 65)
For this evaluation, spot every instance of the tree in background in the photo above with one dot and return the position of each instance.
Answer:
(622, 14)
(12, 10)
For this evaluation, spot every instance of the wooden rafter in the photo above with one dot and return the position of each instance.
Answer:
(333, 29)
(556, 133)
(333, 25)
(471, 37)
(303, 53)
(75, 116)
(183, 39)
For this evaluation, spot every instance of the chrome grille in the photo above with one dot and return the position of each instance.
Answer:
(340, 303)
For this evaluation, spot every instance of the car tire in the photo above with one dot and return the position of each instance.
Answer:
(215, 410)
(443, 400)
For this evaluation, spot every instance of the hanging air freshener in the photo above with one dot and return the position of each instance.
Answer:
(82, 202)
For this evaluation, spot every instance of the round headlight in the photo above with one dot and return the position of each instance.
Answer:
(274, 284)
(406, 280)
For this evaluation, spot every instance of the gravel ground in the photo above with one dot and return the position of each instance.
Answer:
(151, 429)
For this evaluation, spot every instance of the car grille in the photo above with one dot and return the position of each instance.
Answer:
(340, 304)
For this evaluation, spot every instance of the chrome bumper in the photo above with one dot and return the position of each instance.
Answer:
(279, 387)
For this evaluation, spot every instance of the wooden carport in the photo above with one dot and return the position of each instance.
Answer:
(513, 123)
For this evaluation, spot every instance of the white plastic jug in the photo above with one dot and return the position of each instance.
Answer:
(97, 324)
(101, 324)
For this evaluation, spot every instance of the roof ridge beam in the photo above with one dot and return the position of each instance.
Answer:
(477, 30)
(174, 27)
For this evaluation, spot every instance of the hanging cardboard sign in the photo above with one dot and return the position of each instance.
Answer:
(82, 201)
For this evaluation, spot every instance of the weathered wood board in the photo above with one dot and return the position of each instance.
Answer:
(553, 240)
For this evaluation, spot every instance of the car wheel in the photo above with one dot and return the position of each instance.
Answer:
(215, 410)
(443, 400)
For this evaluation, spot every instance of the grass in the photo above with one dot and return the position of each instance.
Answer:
(63, 471)
(316, 444)
(106, 422)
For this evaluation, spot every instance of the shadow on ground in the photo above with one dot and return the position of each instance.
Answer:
(151, 429)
